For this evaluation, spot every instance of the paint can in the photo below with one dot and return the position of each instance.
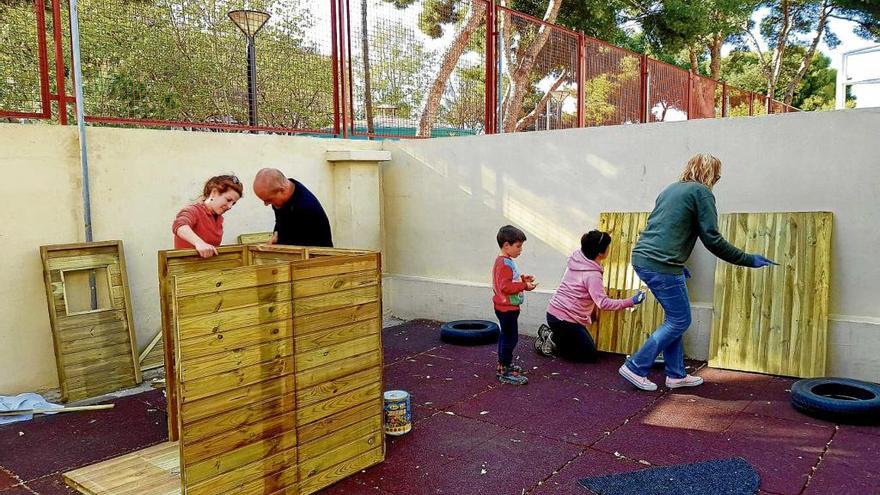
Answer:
(398, 412)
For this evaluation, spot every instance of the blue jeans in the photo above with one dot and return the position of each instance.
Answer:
(509, 335)
(672, 294)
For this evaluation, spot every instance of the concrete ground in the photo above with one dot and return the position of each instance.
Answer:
(473, 435)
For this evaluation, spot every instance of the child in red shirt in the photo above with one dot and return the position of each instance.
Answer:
(508, 286)
(200, 226)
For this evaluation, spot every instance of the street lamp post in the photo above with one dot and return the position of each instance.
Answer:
(250, 22)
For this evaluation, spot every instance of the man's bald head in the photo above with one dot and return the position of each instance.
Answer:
(272, 187)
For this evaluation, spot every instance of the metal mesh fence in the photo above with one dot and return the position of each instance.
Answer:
(417, 68)
(397, 68)
(185, 63)
(612, 83)
(667, 92)
(23, 54)
(539, 74)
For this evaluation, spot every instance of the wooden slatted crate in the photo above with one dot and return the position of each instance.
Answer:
(90, 311)
(276, 370)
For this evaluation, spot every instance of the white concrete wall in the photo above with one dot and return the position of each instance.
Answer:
(446, 198)
(139, 180)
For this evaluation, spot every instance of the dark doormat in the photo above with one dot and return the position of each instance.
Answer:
(717, 477)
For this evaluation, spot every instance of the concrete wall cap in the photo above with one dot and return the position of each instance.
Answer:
(358, 156)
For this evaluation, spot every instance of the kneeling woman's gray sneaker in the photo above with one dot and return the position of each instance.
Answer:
(511, 377)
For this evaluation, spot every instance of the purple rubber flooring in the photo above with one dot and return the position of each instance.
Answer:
(472, 435)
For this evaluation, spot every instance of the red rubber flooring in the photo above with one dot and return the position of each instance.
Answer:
(473, 436)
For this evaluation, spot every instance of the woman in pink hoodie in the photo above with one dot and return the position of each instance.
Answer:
(579, 294)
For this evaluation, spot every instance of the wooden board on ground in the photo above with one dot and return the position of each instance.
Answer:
(90, 312)
(151, 471)
(623, 332)
(775, 319)
(153, 356)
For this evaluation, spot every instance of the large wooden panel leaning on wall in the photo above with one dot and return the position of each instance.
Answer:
(623, 332)
(90, 312)
(276, 369)
(774, 320)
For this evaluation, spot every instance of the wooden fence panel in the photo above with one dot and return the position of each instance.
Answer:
(623, 332)
(775, 319)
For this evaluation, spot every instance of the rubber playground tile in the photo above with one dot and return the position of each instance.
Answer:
(718, 395)
(752, 432)
(414, 336)
(82, 438)
(349, 486)
(679, 411)
(780, 407)
(763, 384)
(851, 461)
(498, 406)
(660, 445)
(17, 490)
(51, 485)
(862, 429)
(475, 354)
(589, 462)
(507, 463)
(7, 479)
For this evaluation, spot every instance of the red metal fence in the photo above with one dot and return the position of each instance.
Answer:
(372, 68)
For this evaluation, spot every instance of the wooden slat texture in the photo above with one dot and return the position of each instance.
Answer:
(178, 262)
(95, 349)
(254, 237)
(153, 355)
(152, 471)
(218, 382)
(623, 332)
(775, 319)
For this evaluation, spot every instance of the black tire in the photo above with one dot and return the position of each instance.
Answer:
(469, 332)
(841, 400)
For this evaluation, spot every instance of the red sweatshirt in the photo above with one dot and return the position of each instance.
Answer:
(507, 284)
(205, 223)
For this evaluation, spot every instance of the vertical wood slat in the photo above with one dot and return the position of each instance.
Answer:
(774, 319)
(623, 332)
(214, 386)
(103, 357)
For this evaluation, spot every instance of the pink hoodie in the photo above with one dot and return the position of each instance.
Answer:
(581, 290)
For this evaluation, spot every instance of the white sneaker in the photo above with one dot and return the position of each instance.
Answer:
(639, 381)
(687, 381)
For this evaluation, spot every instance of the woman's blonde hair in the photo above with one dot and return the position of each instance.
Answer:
(703, 168)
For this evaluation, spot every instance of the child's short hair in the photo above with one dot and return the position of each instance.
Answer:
(594, 243)
(510, 235)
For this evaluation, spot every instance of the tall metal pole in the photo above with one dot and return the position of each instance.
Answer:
(80, 120)
(252, 81)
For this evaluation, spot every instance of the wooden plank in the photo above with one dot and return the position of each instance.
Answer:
(228, 461)
(240, 480)
(235, 278)
(152, 355)
(339, 471)
(83, 262)
(113, 331)
(334, 266)
(333, 370)
(243, 419)
(341, 402)
(324, 459)
(232, 439)
(74, 327)
(335, 300)
(317, 429)
(254, 237)
(335, 283)
(212, 302)
(231, 340)
(344, 435)
(336, 353)
(326, 390)
(200, 388)
(775, 319)
(224, 321)
(151, 471)
(337, 335)
(306, 324)
(100, 354)
(236, 359)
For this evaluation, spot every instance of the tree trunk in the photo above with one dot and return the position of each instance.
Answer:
(524, 62)
(529, 119)
(808, 57)
(715, 56)
(450, 60)
(781, 42)
(368, 87)
(695, 63)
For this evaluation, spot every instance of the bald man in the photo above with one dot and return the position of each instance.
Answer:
(300, 219)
